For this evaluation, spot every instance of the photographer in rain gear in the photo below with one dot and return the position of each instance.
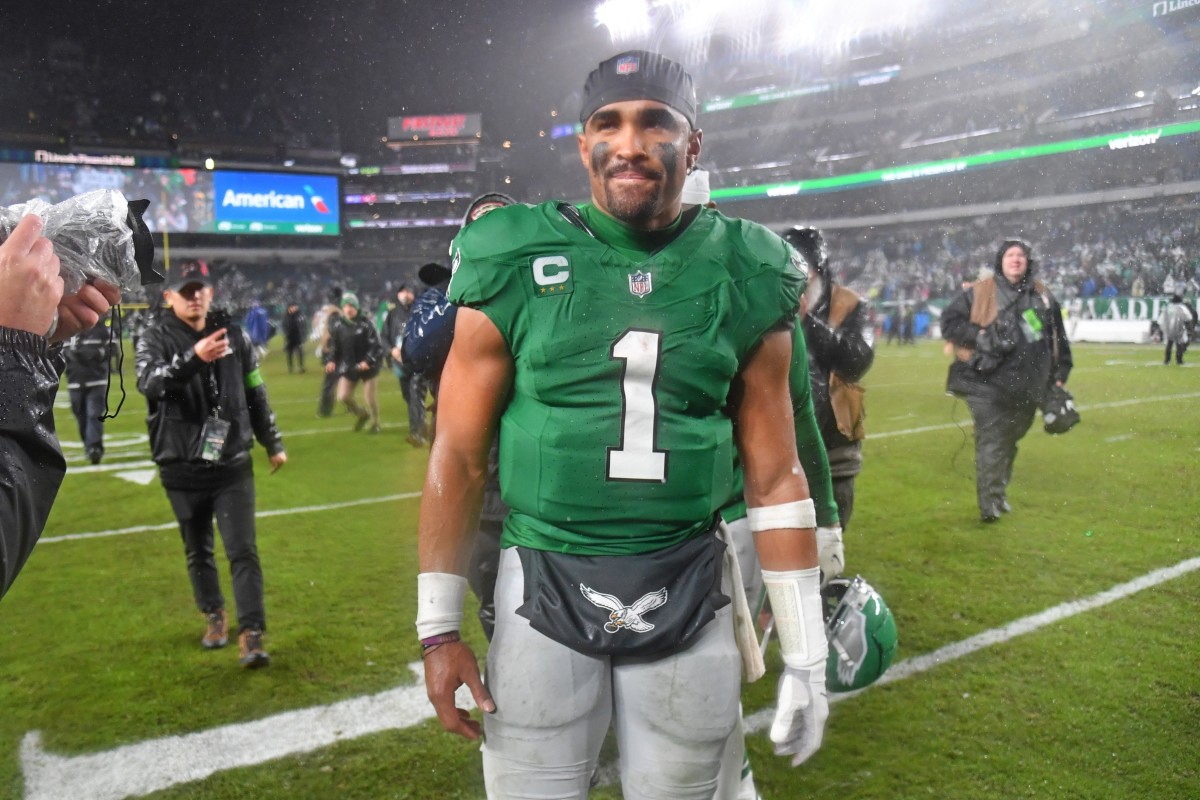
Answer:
(32, 302)
(1011, 348)
(839, 355)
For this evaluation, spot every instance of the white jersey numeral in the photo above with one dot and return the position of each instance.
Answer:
(636, 459)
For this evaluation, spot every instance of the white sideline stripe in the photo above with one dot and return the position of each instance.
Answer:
(84, 470)
(966, 423)
(275, 512)
(952, 652)
(157, 764)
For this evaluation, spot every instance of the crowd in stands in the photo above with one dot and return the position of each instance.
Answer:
(1109, 250)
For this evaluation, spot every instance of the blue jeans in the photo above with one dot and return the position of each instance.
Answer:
(87, 404)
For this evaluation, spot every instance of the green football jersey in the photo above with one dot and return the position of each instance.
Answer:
(614, 439)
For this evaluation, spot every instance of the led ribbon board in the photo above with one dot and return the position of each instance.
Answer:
(1111, 141)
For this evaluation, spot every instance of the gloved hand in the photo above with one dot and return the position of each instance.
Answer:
(801, 712)
(831, 555)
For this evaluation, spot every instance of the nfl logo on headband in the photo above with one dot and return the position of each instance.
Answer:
(627, 65)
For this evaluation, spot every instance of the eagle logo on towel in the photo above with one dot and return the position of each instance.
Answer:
(623, 617)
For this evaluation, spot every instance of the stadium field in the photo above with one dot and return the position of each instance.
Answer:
(1050, 655)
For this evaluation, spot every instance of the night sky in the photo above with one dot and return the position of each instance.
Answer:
(357, 61)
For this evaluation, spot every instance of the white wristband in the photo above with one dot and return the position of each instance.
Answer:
(796, 603)
(439, 603)
(798, 514)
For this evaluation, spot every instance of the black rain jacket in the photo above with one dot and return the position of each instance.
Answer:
(31, 462)
(182, 391)
(1004, 364)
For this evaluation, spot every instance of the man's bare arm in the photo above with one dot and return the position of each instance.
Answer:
(475, 384)
(767, 445)
(782, 518)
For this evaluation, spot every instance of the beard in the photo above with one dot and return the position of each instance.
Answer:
(635, 205)
(632, 207)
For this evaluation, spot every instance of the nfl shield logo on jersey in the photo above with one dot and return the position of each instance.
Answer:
(639, 284)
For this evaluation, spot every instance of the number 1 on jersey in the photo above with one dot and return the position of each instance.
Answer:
(636, 459)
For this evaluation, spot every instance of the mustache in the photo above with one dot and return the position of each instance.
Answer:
(624, 166)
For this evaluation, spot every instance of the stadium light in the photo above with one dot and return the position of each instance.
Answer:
(209, 163)
(785, 26)
(626, 20)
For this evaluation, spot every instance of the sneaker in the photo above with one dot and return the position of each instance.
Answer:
(363, 419)
(415, 440)
(250, 650)
(374, 429)
(94, 454)
(217, 634)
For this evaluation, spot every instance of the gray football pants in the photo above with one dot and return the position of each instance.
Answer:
(672, 715)
(999, 425)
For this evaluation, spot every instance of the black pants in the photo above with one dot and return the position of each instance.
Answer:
(1179, 348)
(482, 571)
(233, 506)
(843, 495)
(999, 425)
(298, 350)
(328, 394)
(87, 404)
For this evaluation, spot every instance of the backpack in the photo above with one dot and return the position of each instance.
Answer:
(428, 333)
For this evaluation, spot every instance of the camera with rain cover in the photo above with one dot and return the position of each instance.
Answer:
(97, 235)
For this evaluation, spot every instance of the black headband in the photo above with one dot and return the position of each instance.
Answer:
(639, 75)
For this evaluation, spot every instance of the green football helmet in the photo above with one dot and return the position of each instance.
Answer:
(861, 631)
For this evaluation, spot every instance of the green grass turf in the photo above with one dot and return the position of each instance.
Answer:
(99, 638)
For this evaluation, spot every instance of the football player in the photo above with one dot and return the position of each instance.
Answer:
(614, 346)
(736, 781)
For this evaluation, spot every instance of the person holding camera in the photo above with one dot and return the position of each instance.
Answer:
(207, 403)
(34, 316)
(1011, 347)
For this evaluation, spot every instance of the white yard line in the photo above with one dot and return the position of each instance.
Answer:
(952, 652)
(157, 764)
(276, 512)
(966, 423)
(143, 463)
